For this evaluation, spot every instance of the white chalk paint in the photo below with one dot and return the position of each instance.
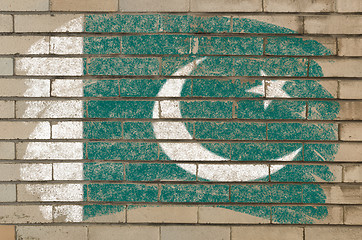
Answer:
(36, 172)
(67, 88)
(54, 109)
(37, 88)
(66, 45)
(67, 130)
(195, 151)
(68, 213)
(54, 150)
(56, 192)
(68, 171)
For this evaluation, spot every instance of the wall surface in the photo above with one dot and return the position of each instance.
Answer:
(181, 119)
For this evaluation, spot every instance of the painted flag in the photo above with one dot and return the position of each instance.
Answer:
(211, 119)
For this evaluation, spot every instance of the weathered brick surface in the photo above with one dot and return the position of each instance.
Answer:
(299, 6)
(264, 143)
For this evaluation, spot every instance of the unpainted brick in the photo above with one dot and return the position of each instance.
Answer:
(343, 194)
(153, 5)
(6, 66)
(351, 131)
(162, 214)
(194, 232)
(333, 233)
(350, 89)
(84, 5)
(352, 173)
(7, 108)
(25, 172)
(25, 214)
(28, 5)
(226, 216)
(341, 67)
(7, 193)
(350, 46)
(24, 130)
(21, 44)
(266, 233)
(52, 232)
(352, 215)
(7, 232)
(349, 152)
(226, 6)
(11, 87)
(350, 110)
(6, 23)
(336, 24)
(127, 232)
(299, 5)
(349, 6)
(48, 23)
(7, 150)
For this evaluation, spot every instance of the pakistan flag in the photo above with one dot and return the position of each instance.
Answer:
(189, 109)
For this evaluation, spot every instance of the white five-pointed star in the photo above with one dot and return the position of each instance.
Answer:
(269, 89)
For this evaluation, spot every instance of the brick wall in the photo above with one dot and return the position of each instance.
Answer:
(180, 119)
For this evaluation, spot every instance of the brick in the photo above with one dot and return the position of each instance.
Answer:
(7, 150)
(48, 23)
(21, 44)
(102, 45)
(332, 233)
(84, 5)
(332, 68)
(25, 214)
(6, 23)
(351, 131)
(66, 45)
(156, 44)
(24, 87)
(300, 46)
(299, 6)
(267, 233)
(67, 88)
(68, 171)
(96, 213)
(154, 6)
(349, 6)
(350, 89)
(280, 215)
(352, 173)
(226, 216)
(343, 194)
(24, 130)
(348, 110)
(226, 6)
(7, 109)
(336, 24)
(7, 193)
(350, 46)
(119, 109)
(26, 172)
(18, 5)
(49, 66)
(266, 24)
(7, 232)
(52, 232)
(50, 150)
(352, 215)
(194, 232)
(49, 109)
(162, 214)
(6, 66)
(50, 192)
(127, 232)
(67, 130)
(349, 152)
(103, 171)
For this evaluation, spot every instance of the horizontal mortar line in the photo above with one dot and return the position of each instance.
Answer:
(194, 162)
(182, 203)
(88, 224)
(233, 183)
(194, 183)
(162, 77)
(223, 34)
(180, 120)
(171, 141)
(189, 13)
(120, 56)
(190, 98)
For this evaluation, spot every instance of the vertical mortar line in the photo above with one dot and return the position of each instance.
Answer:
(306, 110)
(87, 226)
(303, 233)
(264, 45)
(338, 89)
(303, 25)
(49, 5)
(337, 47)
(198, 214)
(262, 6)
(13, 20)
(159, 232)
(343, 172)
(126, 214)
(189, 10)
(230, 232)
(343, 214)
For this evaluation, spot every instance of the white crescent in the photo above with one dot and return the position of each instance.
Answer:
(195, 151)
